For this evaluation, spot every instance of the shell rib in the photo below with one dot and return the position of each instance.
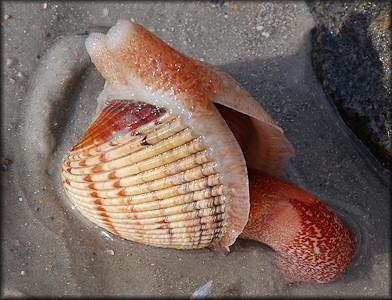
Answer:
(162, 164)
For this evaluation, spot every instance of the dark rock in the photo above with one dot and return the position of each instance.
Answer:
(352, 59)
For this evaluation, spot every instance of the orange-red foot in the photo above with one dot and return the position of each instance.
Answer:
(312, 244)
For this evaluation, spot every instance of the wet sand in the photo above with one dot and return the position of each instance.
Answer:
(49, 97)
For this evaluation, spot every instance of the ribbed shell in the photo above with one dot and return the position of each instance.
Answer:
(140, 173)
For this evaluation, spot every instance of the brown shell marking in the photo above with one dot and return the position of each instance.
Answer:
(116, 117)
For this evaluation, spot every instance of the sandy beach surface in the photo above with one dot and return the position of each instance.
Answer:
(49, 97)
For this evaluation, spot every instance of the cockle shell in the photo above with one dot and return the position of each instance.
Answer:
(181, 156)
(165, 161)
